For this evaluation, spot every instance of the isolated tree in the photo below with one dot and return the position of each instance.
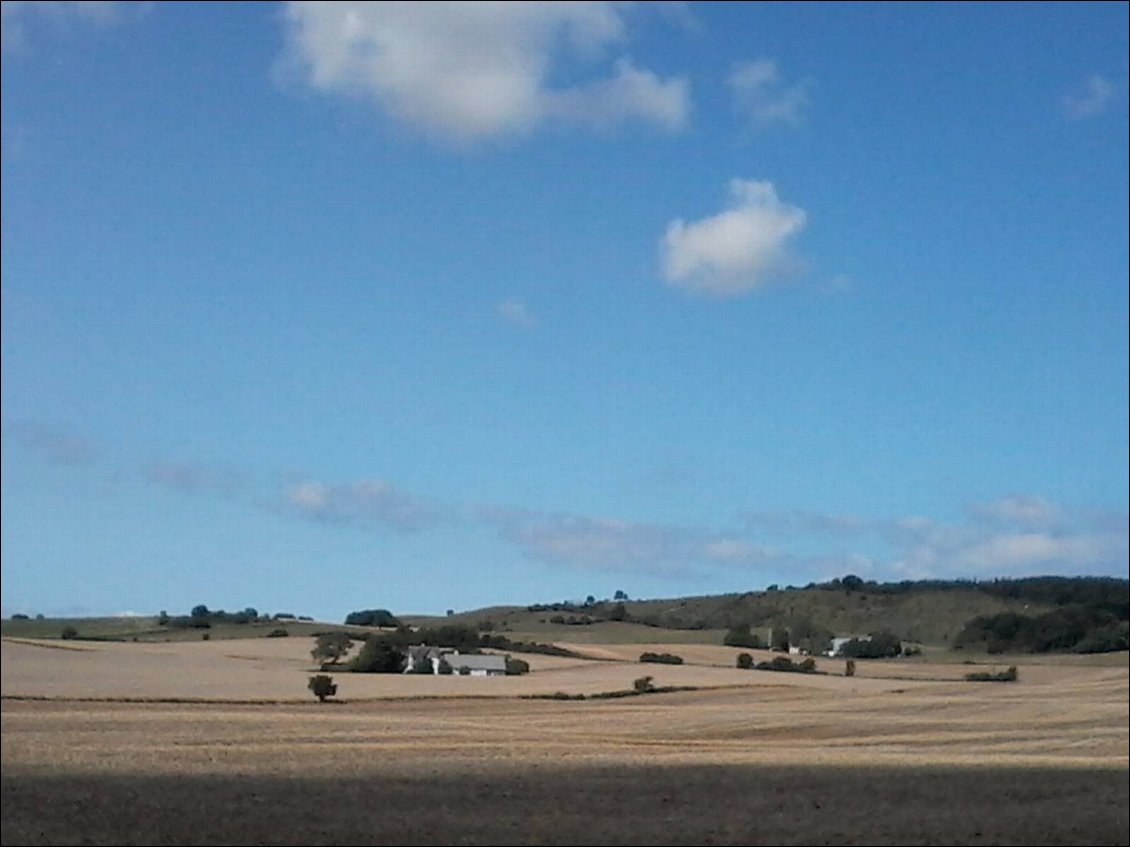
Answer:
(331, 647)
(200, 612)
(323, 686)
(745, 661)
(69, 632)
(620, 595)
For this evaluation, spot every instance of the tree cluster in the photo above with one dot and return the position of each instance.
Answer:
(372, 617)
(1078, 628)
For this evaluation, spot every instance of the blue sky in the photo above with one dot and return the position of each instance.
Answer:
(321, 307)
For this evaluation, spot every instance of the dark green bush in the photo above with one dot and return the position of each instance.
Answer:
(378, 655)
(1010, 675)
(661, 658)
(745, 661)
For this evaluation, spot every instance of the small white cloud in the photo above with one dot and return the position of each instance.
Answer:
(1092, 98)
(373, 502)
(762, 96)
(478, 70)
(736, 251)
(517, 313)
(632, 93)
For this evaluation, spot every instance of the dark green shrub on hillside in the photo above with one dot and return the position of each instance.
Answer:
(661, 658)
(68, 633)
(516, 667)
(278, 632)
(745, 661)
(501, 642)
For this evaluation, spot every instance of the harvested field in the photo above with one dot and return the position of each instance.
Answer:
(762, 758)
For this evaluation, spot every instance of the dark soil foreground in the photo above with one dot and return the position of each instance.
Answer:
(707, 804)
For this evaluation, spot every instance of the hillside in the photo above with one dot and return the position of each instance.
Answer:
(932, 613)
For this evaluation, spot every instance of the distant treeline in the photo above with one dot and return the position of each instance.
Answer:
(201, 617)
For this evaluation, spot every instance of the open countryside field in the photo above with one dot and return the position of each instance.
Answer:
(753, 757)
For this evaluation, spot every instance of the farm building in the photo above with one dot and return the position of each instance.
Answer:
(475, 664)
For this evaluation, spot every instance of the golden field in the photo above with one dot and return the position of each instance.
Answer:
(904, 753)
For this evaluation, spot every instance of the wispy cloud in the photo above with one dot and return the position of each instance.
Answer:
(51, 444)
(1020, 510)
(17, 16)
(602, 543)
(1012, 536)
(194, 478)
(516, 312)
(764, 98)
(370, 502)
(739, 250)
(477, 70)
(1091, 98)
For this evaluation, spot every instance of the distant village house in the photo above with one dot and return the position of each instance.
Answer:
(463, 664)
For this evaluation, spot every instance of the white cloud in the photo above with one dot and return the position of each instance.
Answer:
(472, 71)
(516, 312)
(372, 502)
(761, 95)
(736, 251)
(1091, 98)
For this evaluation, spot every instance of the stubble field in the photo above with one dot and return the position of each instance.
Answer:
(901, 754)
